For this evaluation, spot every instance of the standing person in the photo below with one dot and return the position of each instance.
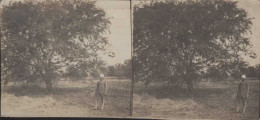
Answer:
(100, 93)
(242, 93)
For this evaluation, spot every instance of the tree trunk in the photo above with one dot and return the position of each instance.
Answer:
(190, 87)
(48, 84)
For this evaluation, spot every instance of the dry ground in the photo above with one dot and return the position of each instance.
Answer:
(211, 101)
(70, 99)
(75, 99)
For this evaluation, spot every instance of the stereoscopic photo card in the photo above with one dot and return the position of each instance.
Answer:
(149, 59)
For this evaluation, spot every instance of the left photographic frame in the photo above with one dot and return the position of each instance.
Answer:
(65, 58)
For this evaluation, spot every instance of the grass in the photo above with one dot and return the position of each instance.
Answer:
(70, 98)
(211, 101)
(75, 99)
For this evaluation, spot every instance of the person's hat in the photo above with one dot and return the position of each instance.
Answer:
(102, 76)
(243, 76)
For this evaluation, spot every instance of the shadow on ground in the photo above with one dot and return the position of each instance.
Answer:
(179, 93)
(39, 91)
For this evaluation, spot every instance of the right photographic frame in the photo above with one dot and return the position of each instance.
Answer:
(196, 59)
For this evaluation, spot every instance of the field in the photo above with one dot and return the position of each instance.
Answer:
(70, 99)
(211, 101)
(75, 99)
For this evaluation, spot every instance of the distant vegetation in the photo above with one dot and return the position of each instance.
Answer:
(254, 71)
(120, 70)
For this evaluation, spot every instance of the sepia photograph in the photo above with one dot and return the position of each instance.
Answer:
(149, 59)
(65, 58)
(196, 59)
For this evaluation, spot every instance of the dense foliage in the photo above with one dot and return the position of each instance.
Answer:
(184, 41)
(41, 40)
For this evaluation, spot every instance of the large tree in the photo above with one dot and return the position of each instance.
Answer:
(41, 39)
(179, 41)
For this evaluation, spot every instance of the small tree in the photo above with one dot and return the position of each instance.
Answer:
(111, 71)
(127, 69)
(178, 41)
(258, 71)
(123, 70)
(41, 38)
(253, 71)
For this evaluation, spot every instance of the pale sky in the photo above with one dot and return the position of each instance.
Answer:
(120, 37)
(253, 9)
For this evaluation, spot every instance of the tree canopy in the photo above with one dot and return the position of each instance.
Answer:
(42, 39)
(180, 41)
